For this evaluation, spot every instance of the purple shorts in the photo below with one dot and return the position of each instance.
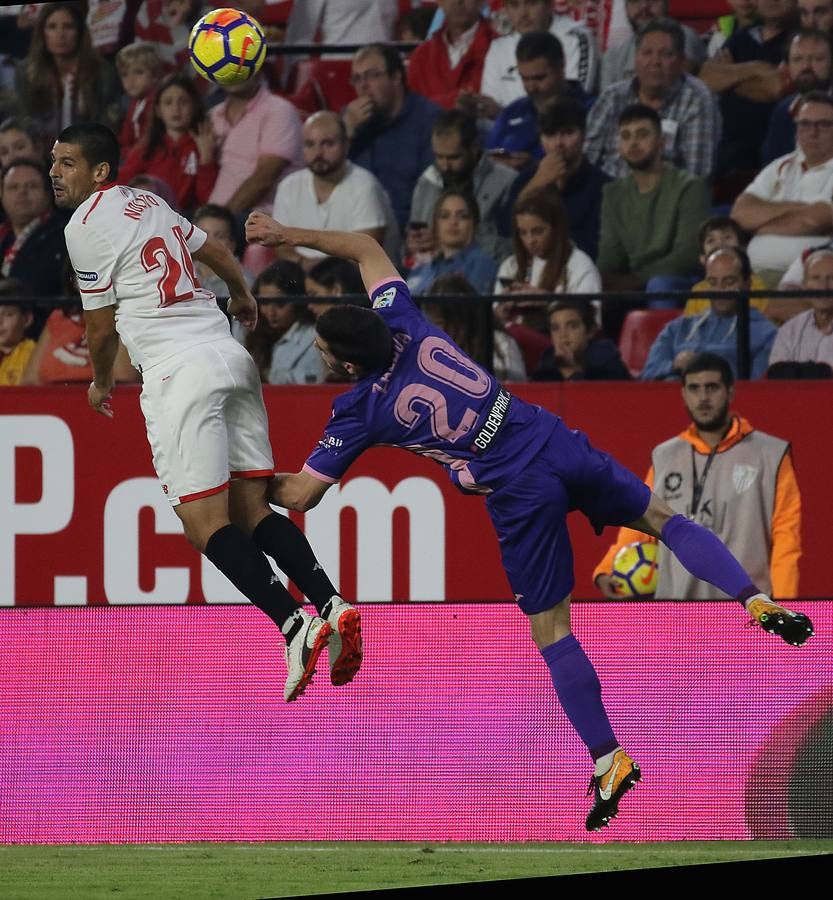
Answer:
(530, 511)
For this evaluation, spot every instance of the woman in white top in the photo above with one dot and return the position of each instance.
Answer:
(545, 259)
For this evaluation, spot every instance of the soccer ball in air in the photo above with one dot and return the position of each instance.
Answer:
(227, 46)
(635, 569)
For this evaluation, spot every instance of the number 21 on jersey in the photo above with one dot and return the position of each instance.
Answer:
(177, 280)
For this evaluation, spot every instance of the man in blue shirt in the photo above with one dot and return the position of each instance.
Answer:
(714, 331)
(417, 390)
(389, 126)
(514, 137)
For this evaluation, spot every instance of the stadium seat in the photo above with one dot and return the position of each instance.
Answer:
(639, 330)
(333, 78)
(323, 82)
(533, 343)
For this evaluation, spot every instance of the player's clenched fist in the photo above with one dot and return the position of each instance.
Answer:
(263, 229)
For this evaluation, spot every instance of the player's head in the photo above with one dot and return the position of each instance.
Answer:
(708, 390)
(84, 159)
(353, 341)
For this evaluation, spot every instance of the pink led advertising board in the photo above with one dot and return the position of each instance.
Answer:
(168, 724)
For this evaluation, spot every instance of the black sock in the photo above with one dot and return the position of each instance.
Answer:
(237, 557)
(283, 540)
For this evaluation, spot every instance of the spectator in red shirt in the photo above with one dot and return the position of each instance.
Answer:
(140, 68)
(451, 61)
(179, 147)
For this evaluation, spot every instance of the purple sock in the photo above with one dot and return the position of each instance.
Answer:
(706, 556)
(580, 694)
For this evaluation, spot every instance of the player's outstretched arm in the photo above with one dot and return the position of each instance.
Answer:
(242, 304)
(299, 491)
(103, 344)
(374, 263)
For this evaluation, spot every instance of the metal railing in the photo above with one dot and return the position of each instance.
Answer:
(486, 304)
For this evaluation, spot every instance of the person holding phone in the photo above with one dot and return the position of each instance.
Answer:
(545, 259)
(457, 252)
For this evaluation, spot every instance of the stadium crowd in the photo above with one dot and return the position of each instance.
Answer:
(557, 150)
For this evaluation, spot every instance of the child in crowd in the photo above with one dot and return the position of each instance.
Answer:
(282, 342)
(179, 146)
(20, 139)
(15, 347)
(140, 69)
(718, 232)
(218, 223)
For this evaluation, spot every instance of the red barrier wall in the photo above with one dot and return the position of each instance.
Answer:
(83, 520)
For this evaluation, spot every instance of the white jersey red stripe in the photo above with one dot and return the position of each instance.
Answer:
(130, 250)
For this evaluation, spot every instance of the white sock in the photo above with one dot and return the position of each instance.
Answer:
(603, 763)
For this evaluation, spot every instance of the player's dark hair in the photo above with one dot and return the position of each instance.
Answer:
(636, 112)
(663, 26)
(560, 114)
(339, 275)
(356, 335)
(32, 164)
(97, 143)
(391, 56)
(721, 223)
(709, 362)
(742, 257)
(462, 124)
(538, 45)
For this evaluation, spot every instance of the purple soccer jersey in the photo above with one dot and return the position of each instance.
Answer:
(433, 400)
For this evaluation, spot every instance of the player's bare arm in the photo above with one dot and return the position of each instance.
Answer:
(361, 248)
(242, 304)
(299, 491)
(103, 343)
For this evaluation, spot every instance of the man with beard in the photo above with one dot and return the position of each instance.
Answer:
(384, 118)
(331, 192)
(459, 162)
(691, 123)
(515, 136)
(651, 216)
(809, 62)
(723, 473)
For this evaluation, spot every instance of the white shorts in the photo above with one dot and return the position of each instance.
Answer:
(206, 421)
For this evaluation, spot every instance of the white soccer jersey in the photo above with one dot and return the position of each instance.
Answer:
(130, 250)
(501, 80)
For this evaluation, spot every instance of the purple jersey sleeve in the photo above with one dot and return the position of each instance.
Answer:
(432, 399)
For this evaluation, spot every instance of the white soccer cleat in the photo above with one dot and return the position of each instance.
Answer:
(306, 639)
(345, 646)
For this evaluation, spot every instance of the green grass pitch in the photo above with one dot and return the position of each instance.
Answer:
(238, 871)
